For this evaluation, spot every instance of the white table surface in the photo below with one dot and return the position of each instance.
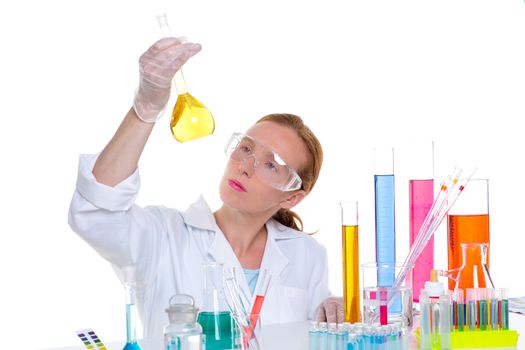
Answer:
(292, 336)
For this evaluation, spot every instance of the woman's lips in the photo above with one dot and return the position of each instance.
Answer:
(236, 185)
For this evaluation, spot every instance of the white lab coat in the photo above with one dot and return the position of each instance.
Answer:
(169, 246)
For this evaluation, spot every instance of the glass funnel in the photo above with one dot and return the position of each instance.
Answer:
(474, 272)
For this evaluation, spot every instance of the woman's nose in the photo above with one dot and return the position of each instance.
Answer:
(247, 166)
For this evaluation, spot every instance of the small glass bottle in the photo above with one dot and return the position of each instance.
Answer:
(183, 332)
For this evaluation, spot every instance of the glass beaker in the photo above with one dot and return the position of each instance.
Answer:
(350, 228)
(215, 317)
(473, 272)
(381, 302)
(468, 222)
(183, 331)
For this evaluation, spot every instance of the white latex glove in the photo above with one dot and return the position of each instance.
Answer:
(331, 310)
(158, 65)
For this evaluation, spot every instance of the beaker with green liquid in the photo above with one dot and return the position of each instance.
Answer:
(190, 119)
(215, 318)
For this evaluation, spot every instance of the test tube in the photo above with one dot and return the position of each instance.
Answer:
(367, 337)
(481, 295)
(313, 336)
(332, 336)
(460, 310)
(323, 336)
(424, 302)
(494, 309)
(504, 308)
(342, 336)
(471, 309)
(358, 330)
(352, 342)
(444, 321)
(385, 214)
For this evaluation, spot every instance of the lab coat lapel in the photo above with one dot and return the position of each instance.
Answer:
(273, 259)
(221, 251)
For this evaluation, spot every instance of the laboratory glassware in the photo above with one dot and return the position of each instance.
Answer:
(183, 332)
(421, 197)
(424, 302)
(474, 271)
(503, 299)
(215, 318)
(472, 310)
(351, 291)
(444, 322)
(468, 222)
(190, 119)
(376, 297)
(449, 192)
(130, 287)
(385, 213)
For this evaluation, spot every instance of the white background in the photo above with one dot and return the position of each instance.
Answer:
(361, 73)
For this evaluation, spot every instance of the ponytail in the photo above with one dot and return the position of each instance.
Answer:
(289, 218)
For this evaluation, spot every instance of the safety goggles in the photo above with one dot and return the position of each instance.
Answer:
(268, 166)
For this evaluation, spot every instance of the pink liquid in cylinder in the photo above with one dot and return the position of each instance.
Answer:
(421, 197)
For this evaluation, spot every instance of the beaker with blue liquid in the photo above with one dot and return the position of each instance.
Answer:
(215, 318)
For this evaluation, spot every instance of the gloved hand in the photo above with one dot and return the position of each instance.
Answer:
(158, 65)
(331, 310)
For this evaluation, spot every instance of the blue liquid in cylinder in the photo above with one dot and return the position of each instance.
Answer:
(219, 329)
(386, 232)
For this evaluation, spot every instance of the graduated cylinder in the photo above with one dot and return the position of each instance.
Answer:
(350, 235)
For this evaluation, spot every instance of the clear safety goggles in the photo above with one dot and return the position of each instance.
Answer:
(268, 166)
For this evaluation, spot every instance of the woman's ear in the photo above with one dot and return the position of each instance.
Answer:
(293, 199)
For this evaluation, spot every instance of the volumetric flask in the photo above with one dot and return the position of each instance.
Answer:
(215, 317)
(190, 119)
(468, 222)
(350, 229)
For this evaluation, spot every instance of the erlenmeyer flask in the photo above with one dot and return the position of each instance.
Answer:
(215, 317)
(474, 272)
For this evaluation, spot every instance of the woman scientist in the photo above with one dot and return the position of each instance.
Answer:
(271, 168)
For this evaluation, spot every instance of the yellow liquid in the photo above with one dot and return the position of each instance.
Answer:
(351, 274)
(190, 119)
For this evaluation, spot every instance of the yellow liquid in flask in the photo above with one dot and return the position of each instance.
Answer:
(190, 119)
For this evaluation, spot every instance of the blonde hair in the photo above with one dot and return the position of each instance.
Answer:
(309, 172)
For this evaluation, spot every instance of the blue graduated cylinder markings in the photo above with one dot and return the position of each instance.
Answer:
(386, 231)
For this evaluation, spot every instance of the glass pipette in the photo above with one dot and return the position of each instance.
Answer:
(190, 119)
(447, 196)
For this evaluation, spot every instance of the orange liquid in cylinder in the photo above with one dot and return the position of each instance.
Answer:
(467, 229)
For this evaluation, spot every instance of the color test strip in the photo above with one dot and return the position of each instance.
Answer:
(90, 339)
